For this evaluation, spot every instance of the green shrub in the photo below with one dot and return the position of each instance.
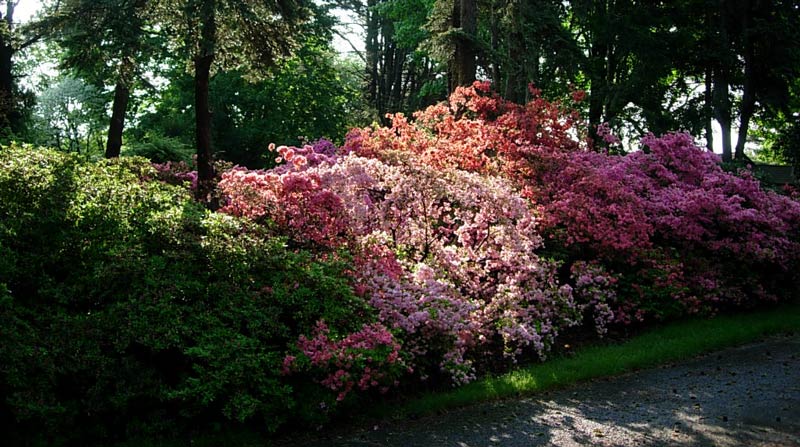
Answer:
(161, 149)
(126, 309)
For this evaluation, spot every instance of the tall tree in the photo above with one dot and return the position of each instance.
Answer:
(626, 46)
(748, 54)
(528, 43)
(465, 26)
(453, 25)
(228, 33)
(400, 75)
(308, 94)
(70, 115)
(108, 43)
(13, 40)
(769, 68)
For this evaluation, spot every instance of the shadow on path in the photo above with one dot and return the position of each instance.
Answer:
(741, 396)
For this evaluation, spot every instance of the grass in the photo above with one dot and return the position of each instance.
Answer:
(670, 343)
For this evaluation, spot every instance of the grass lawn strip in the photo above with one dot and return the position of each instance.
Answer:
(673, 342)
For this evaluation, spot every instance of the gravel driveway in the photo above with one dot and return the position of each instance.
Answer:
(745, 396)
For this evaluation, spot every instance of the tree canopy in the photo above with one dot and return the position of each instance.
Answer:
(228, 77)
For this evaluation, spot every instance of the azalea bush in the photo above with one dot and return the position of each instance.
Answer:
(446, 257)
(680, 233)
(690, 233)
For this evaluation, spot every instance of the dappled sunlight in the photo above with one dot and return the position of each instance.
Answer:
(705, 402)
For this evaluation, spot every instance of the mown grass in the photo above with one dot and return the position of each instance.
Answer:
(669, 343)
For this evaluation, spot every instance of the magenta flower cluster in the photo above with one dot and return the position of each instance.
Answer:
(368, 358)
(711, 238)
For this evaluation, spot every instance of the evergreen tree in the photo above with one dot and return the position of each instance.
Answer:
(245, 34)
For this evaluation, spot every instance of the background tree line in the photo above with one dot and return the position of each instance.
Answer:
(133, 74)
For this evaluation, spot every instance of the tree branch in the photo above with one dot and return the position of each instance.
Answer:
(358, 52)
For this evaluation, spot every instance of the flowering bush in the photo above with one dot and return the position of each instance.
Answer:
(466, 245)
(668, 218)
(301, 206)
(478, 131)
(676, 221)
(175, 173)
(596, 290)
(368, 358)
(446, 257)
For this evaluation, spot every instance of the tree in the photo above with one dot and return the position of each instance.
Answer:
(626, 46)
(228, 33)
(69, 116)
(769, 68)
(108, 43)
(400, 74)
(453, 25)
(528, 43)
(13, 40)
(308, 94)
(747, 53)
(465, 26)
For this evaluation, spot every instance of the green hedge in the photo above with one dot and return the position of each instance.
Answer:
(126, 309)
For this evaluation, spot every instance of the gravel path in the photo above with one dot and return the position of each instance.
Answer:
(746, 396)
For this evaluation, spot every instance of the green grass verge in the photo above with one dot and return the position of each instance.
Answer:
(670, 343)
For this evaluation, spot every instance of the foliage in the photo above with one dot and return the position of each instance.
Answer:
(160, 149)
(104, 41)
(70, 116)
(304, 96)
(431, 251)
(129, 310)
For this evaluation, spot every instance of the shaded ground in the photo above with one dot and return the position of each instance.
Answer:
(746, 396)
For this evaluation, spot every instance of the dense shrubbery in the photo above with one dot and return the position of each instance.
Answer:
(433, 250)
(127, 309)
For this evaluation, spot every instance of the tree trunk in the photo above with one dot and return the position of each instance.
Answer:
(708, 106)
(202, 76)
(397, 89)
(722, 100)
(371, 50)
(597, 68)
(722, 113)
(747, 110)
(516, 87)
(465, 17)
(10, 118)
(494, 28)
(707, 110)
(597, 89)
(117, 125)
(748, 90)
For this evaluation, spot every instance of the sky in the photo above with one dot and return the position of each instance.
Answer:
(26, 9)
